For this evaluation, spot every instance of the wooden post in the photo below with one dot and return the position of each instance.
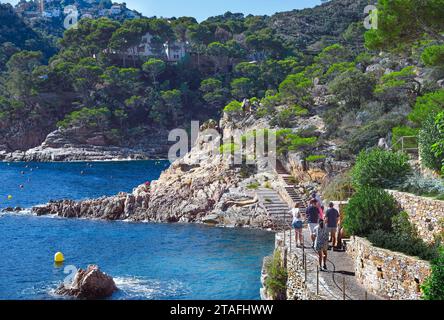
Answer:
(402, 143)
(305, 267)
(366, 295)
(317, 280)
(285, 236)
(303, 254)
(290, 239)
(343, 287)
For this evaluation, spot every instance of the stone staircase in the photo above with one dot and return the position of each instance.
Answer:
(276, 208)
(292, 194)
(296, 198)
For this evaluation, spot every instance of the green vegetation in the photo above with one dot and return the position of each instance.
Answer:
(340, 188)
(369, 210)
(86, 117)
(315, 158)
(428, 137)
(276, 281)
(433, 56)
(287, 141)
(438, 146)
(403, 238)
(428, 105)
(422, 186)
(253, 186)
(233, 108)
(403, 22)
(381, 169)
(433, 288)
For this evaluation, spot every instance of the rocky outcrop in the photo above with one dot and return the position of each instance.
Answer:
(120, 207)
(89, 284)
(202, 187)
(82, 144)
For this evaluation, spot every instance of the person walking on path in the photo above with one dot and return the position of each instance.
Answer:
(321, 210)
(332, 216)
(321, 244)
(297, 224)
(313, 219)
(317, 197)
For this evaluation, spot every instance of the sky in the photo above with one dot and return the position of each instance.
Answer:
(202, 9)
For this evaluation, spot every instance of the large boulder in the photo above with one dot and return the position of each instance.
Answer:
(89, 284)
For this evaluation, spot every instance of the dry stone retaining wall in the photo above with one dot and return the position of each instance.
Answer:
(386, 273)
(425, 213)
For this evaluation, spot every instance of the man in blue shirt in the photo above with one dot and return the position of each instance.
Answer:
(313, 218)
(332, 217)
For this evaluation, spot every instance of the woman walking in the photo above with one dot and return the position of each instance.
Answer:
(298, 224)
(321, 244)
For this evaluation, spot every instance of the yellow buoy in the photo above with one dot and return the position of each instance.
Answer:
(58, 257)
(9, 197)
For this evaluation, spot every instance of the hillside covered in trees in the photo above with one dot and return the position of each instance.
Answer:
(276, 62)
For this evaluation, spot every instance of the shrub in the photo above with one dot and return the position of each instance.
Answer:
(340, 188)
(422, 186)
(438, 146)
(381, 169)
(314, 158)
(86, 117)
(369, 209)
(429, 104)
(408, 246)
(433, 55)
(433, 287)
(296, 88)
(267, 185)
(287, 140)
(428, 136)
(403, 238)
(233, 108)
(276, 281)
(253, 186)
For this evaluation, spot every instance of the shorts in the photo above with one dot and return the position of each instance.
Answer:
(323, 248)
(298, 225)
(311, 227)
(333, 229)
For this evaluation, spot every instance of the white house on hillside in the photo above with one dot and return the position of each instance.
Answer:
(115, 9)
(172, 52)
(175, 51)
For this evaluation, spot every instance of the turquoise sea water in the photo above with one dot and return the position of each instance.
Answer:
(148, 261)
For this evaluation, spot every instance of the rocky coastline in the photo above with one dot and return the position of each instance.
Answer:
(80, 144)
(199, 188)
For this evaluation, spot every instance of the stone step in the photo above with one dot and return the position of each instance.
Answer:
(272, 211)
(278, 208)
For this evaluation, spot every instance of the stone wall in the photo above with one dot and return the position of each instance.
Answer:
(386, 273)
(425, 213)
(297, 287)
